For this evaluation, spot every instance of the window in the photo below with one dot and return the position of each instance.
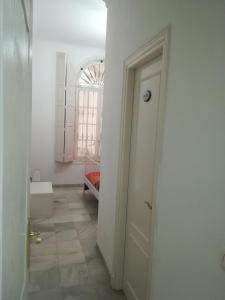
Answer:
(89, 111)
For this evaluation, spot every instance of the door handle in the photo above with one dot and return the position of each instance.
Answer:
(36, 235)
(33, 234)
(30, 236)
(148, 205)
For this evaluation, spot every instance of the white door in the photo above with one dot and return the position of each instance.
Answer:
(15, 117)
(141, 180)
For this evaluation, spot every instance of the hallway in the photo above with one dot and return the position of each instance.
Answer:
(67, 264)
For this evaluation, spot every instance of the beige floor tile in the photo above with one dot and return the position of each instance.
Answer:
(67, 235)
(43, 249)
(68, 247)
(69, 259)
(43, 263)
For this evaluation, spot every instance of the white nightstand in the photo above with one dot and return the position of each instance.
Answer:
(41, 200)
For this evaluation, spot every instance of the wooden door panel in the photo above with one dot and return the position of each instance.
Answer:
(141, 181)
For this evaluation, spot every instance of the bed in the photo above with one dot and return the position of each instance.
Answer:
(92, 177)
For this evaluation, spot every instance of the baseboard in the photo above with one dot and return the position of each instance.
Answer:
(103, 259)
(68, 185)
(106, 266)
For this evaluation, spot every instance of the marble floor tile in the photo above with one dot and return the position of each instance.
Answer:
(78, 217)
(63, 219)
(58, 190)
(76, 205)
(49, 227)
(64, 190)
(69, 259)
(94, 217)
(68, 247)
(104, 292)
(59, 206)
(91, 209)
(43, 222)
(88, 244)
(90, 249)
(87, 292)
(74, 199)
(66, 235)
(44, 280)
(72, 195)
(47, 237)
(64, 226)
(79, 211)
(43, 249)
(74, 275)
(46, 295)
(67, 264)
(59, 198)
(60, 212)
(60, 202)
(43, 263)
(97, 271)
(86, 230)
(88, 197)
(76, 196)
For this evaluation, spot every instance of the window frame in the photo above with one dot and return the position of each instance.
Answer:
(80, 159)
(99, 89)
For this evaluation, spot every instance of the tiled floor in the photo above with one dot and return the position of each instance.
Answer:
(67, 264)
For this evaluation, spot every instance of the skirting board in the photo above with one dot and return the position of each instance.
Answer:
(105, 264)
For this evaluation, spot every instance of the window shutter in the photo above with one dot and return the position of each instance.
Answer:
(64, 110)
(69, 124)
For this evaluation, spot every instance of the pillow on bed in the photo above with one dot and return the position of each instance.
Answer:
(94, 178)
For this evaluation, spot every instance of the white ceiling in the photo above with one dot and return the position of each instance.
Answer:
(80, 22)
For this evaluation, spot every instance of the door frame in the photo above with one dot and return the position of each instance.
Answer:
(159, 45)
(27, 7)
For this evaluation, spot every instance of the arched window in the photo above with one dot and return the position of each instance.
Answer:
(92, 75)
(89, 111)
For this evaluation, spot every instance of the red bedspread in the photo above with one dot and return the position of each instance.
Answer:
(94, 178)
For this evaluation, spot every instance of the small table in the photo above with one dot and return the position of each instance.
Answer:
(41, 200)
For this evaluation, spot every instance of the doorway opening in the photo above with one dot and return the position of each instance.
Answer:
(67, 91)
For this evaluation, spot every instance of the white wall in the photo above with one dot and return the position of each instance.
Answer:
(43, 109)
(15, 114)
(73, 22)
(190, 230)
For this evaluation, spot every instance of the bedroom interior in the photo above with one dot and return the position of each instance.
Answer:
(67, 104)
(78, 117)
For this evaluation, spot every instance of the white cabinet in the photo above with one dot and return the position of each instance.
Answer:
(41, 200)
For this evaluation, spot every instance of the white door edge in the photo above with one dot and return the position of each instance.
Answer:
(24, 292)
